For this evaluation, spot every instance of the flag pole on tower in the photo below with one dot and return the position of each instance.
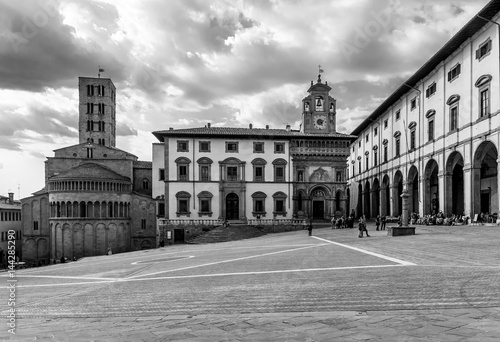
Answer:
(100, 70)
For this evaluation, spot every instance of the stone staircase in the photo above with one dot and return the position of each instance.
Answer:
(235, 231)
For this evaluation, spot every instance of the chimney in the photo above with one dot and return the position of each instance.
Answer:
(170, 128)
(250, 126)
(209, 125)
(267, 126)
(288, 128)
(11, 197)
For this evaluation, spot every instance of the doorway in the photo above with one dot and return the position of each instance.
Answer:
(178, 235)
(232, 207)
(318, 210)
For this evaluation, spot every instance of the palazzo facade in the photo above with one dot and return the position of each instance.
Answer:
(96, 196)
(437, 136)
(212, 174)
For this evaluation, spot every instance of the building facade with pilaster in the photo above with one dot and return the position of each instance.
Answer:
(209, 175)
(436, 138)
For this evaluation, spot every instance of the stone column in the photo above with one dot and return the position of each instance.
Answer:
(394, 201)
(496, 209)
(442, 191)
(421, 196)
(406, 205)
(467, 189)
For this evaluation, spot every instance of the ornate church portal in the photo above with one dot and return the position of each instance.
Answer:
(318, 207)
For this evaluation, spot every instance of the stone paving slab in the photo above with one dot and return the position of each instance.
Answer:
(451, 294)
(314, 326)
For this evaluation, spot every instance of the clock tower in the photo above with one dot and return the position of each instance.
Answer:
(319, 109)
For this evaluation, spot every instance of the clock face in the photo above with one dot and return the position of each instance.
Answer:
(319, 122)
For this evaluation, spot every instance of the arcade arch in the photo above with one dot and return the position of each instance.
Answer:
(431, 188)
(454, 184)
(485, 179)
(386, 196)
(413, 190)
(397, 191)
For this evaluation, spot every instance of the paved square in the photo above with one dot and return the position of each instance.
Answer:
(442, 284)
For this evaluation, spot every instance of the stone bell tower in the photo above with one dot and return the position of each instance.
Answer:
(97, 111)
(319, 109)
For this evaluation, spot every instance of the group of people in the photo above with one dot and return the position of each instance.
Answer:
(380, 224)
(342, 222)
(440, 219)
(380, 221)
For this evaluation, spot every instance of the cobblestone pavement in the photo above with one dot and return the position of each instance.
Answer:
(442, 284)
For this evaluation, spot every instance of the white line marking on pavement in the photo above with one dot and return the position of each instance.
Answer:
(89, 261)
(157, 261)
(404, 263)
(125, 280)
(225, 261)
(265, 272)
(62, 277)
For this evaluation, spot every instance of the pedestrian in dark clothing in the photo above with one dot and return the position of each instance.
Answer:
(377, 221)
(310, 227)
(362, 227)
(383, 220)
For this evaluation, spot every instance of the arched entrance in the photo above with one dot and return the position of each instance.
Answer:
(431, 186)
(318, 197)
(232, 207)
(396, 196)
(366, 197)
(386, 196)
(454, 184)
(485, 179)
(375, 198)
(359, 208)
(413, 190)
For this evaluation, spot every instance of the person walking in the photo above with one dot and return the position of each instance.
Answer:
(310, 227)
(362, 227)
(333, 222)
(377, 222)
(383, 221)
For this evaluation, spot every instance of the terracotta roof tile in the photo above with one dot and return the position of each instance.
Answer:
(244, 132)
(90, 171)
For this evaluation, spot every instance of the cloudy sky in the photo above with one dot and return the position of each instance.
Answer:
(183, 63)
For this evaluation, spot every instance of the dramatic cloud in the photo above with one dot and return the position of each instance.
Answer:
(184, 63)
(38, 50)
